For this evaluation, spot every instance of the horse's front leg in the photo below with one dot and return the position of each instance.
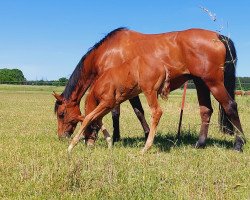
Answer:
(105, 133)
(91, 134)
(156, 113)
(136, 104)
(99, 111)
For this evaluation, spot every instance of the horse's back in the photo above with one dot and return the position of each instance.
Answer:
(130, 78)
(202, 52)
(193, 51)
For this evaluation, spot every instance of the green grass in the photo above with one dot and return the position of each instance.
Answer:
(34, 163)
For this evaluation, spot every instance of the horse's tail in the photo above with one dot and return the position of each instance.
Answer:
(229, 81)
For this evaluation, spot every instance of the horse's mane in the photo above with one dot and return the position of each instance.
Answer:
(76, 75)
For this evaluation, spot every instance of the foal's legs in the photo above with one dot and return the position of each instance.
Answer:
(230, 106)
(105, 133)
(156, 113)
(91, 135)
(206, 110)
(136, 104)
(100, 110)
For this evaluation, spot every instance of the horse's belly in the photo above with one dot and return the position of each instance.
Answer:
(178, 82)
(124, 93)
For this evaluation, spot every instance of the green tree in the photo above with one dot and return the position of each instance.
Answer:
(11, 75)
(62, 81)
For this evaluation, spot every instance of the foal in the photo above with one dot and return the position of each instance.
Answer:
(124, 82)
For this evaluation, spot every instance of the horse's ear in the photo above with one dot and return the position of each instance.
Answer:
(80, 118)
(57, 96)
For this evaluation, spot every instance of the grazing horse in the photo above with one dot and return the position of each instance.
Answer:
(239, 92)
(90, 67)
(141, 74)
(206, 57)
(242, 93)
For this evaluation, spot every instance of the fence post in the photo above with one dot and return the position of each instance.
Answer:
(182, 108)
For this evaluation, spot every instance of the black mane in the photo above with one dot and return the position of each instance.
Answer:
(76, 75)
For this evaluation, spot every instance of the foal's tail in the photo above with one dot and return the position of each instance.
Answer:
(229, 81)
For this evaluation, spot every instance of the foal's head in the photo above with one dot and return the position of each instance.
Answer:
(68, 115)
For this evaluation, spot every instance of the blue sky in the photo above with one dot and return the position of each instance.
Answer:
(46, 39)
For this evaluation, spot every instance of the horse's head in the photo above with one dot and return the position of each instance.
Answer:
(68, 115)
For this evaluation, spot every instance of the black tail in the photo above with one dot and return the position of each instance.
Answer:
(229, 81)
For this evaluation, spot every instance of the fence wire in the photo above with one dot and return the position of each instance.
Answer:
(239, 86)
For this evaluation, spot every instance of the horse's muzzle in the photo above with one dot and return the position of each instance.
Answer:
(65, 135)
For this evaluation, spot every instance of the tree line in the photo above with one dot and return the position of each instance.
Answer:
(15, 76)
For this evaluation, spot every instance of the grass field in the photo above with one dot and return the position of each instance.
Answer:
(34, 163)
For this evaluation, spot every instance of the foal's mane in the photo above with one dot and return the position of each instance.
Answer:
(77, 73)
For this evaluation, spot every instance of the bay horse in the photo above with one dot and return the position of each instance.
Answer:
(118, 84)
(206, 57)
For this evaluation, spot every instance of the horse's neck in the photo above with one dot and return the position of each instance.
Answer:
(87, 76)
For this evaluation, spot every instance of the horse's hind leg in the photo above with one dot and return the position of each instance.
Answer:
(156, 113)
(136, 104)
(206, 110)
(116, 127)
(230, 106)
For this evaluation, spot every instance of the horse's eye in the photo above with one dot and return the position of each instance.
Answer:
(61, 115)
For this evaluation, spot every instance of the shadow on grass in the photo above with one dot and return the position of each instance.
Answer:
(166, 142)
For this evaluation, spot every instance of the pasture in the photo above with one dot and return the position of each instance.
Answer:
(34, 163)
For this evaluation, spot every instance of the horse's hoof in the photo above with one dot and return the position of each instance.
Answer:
(83, 140)
(116, 139)
(200, 145)
(239, 143)
(142, 152)
(146, 135)
(238, 147)
(108, 139)
(90, 145)
(69, 151)
(65, 136)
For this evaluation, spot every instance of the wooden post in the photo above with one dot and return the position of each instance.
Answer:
(182, 108)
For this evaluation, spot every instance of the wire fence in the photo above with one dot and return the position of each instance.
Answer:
(239, 86)
(40, 82)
